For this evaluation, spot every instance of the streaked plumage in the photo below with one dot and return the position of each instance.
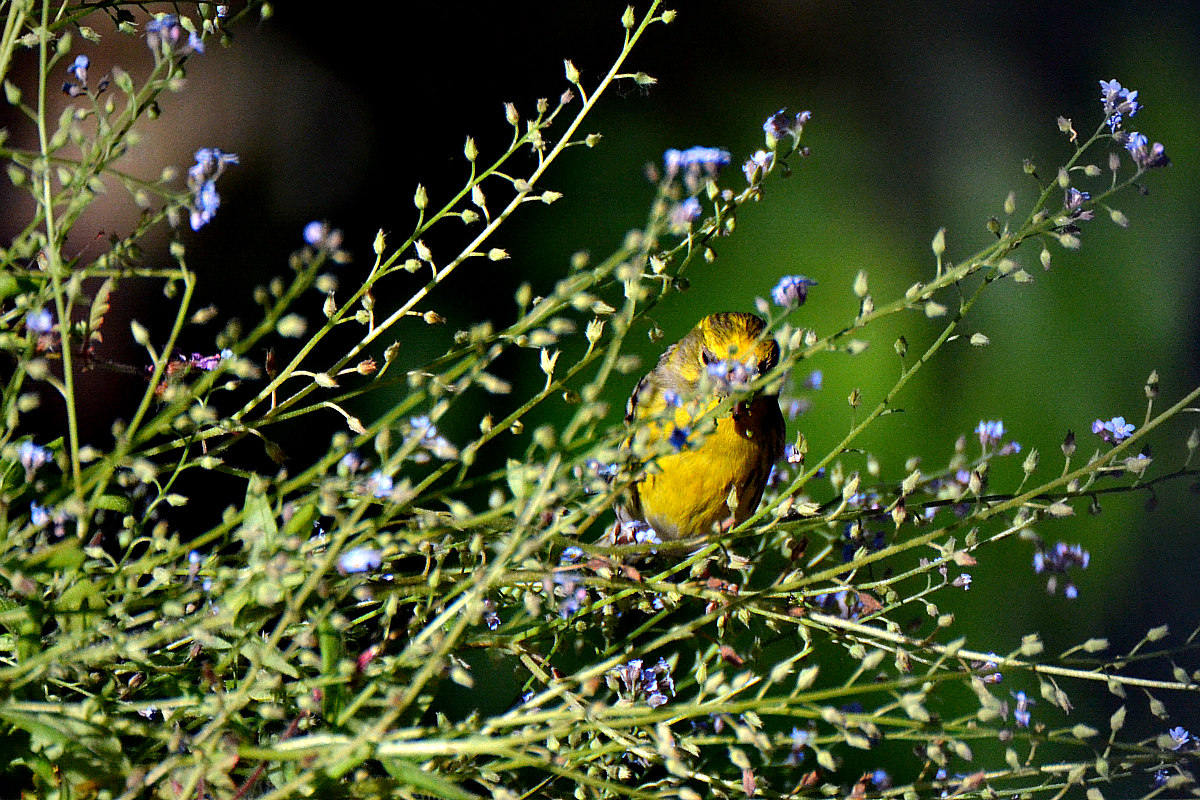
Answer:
(715, 480)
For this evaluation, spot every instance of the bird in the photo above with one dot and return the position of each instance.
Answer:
(705, 479)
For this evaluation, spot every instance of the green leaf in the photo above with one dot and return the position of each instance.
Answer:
(66, 555)
(66, 732)
(269, 657)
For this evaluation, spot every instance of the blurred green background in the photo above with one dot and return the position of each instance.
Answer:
(922, 115)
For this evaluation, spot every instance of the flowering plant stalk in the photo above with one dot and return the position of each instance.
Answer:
(411, 615)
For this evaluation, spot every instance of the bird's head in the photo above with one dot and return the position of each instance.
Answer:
(730, 347)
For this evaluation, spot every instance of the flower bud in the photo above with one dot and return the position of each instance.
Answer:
(572, 71)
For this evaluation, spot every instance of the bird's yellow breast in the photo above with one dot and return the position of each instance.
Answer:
(715, 482)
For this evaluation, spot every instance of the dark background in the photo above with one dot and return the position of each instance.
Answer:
(922, 115)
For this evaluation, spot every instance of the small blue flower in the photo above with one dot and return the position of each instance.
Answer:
(40, 321)
(1021, 712)
(1117, 101)
(776, 124)
(379, 484)
(1145, 155)
(202, 181)
(208, 199)
(360, 559)
(709, 159)
(652, 683)
(791, 291)
(672, 161)
(683, 215)
(730, 373)
(797, 406)
(638, 532)
(1074, 203)
(214, 159)
(634, 531)
(79, 67)
(1179, 737)
(780, 124)
(594, 467)
(1114, 430)
(690, 209)
(207, 202)
(351, 462)
(423, 426)
(990, 431)
(799, 738)
(758, 165)
(195, 559)
(32, 455)
(322, 236)
(1057, 561)
(694, 163)
(162, 22)
(568, 586)
(208, 363)
(163, 33)
(314, 233)
(426, 433)
(679, 438)
(38, 515)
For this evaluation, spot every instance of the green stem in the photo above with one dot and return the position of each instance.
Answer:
(53, 255)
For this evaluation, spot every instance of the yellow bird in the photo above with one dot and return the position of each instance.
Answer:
(709, 479)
